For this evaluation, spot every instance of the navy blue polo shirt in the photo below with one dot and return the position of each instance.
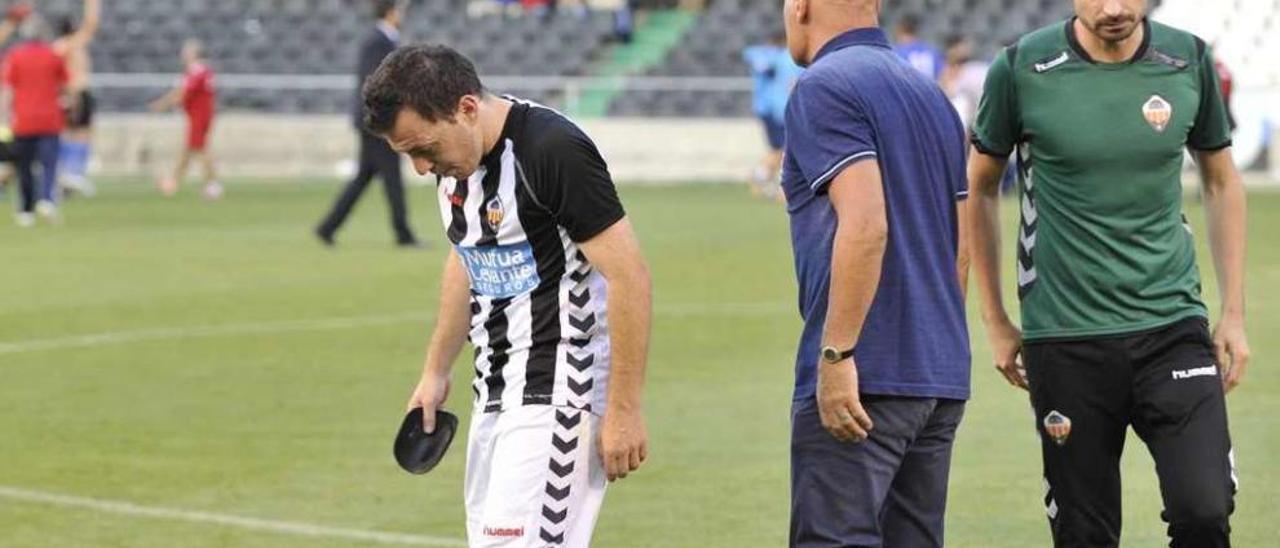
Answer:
(858, 101)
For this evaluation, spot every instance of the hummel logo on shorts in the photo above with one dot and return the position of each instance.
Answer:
(1206, 371)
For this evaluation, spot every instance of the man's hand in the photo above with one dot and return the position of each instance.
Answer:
(838, 404)
(1232, 349)
(624, 442)
(430, 394)
(1006, 349)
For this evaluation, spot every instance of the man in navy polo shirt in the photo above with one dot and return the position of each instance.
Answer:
(874, 173)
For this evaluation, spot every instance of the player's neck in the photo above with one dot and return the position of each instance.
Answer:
(493, 118)
(827, 27)
(1103, 51)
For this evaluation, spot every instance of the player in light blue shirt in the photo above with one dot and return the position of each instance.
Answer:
(916, 52)
(773, 74)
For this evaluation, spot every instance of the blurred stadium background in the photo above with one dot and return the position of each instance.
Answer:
(284, 72)
(179, 373)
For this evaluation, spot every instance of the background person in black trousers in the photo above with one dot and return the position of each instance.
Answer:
(376, 158)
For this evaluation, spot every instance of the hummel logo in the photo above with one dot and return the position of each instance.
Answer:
(508, 532)
(1053, 63)
(1206, 371)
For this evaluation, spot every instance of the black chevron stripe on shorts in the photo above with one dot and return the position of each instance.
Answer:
(559, 484)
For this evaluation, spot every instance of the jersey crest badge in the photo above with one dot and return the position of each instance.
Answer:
(1158, 113)
(494, 212)
(1058, 427)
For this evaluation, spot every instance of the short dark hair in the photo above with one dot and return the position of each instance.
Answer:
(909, 23)
(382, 7)
(428, 78)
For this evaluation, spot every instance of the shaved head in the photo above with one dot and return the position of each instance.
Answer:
(812, 23)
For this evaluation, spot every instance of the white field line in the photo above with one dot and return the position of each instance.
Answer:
(187, 332)
(256, 524)
(322, 324)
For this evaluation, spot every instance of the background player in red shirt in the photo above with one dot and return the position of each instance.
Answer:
(34, 77)
(196, 95)
(9, 25)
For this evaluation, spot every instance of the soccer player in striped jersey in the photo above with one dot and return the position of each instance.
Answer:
(546, 280)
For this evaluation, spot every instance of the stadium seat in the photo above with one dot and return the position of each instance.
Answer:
(320, 36)
(316, 37)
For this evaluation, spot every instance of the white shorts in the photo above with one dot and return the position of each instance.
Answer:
(534, 478)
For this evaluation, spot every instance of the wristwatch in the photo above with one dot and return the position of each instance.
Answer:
(832, 355)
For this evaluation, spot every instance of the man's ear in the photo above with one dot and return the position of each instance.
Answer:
(802, 11)
(468, 107)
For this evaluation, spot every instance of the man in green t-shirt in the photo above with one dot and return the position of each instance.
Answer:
(1114, 332)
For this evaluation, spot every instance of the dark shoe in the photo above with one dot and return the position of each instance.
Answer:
(326, 238)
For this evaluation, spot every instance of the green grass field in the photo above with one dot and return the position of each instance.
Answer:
(182, 356)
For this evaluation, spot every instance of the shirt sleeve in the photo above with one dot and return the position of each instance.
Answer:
(997, 127)
(827, 131)
(570, 179)
(1212, 129)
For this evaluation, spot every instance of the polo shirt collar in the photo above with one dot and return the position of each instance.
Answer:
(866, 36)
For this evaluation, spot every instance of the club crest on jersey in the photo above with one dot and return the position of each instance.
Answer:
(1158, 113)
(1058, 427)
(493, 213)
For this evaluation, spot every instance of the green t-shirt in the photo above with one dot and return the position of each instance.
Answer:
(1103, 246)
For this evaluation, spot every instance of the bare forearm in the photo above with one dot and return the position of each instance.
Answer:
(984, 249)
(6, 104)
(985, 173)
(1226, 212)
(963, 255)
(630, 316)
(89, 24)
(856, 259)
(168, 100)
(453, 321)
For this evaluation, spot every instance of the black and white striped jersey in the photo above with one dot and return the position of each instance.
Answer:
(539, 323)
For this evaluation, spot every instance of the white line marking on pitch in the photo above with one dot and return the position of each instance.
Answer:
(272, 526)
(320, 324)
(185, 332)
